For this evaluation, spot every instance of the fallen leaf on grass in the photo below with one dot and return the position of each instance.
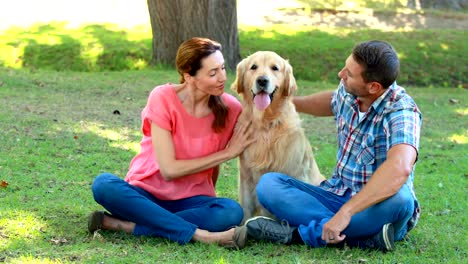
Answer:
(59, 241)
(3, 184)
(97, 236)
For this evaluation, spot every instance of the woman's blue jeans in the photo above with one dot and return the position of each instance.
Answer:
(309, 207)
(175, 220)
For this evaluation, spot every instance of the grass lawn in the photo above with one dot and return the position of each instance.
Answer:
(70, 102)
(59, 131)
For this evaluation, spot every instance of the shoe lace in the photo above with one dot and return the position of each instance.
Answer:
(280, 235)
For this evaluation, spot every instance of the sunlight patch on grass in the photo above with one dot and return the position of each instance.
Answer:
(133, 146)
(139, 32)
(33, 260)
(348, 5)
(422, 45)
(402, 55)
(269, 35)
(222, 261)
(115, 139)
(81, 47)
(49, 39)
(19, 225)
(271, 31)
(93, 48)
(462, 111)
(10, 56)
(105, 133)
(459, 139)
(284, 29)
(140, 64)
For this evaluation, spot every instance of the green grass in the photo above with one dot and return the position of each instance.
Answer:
(60, 86)
(432, 58)
(59, 132)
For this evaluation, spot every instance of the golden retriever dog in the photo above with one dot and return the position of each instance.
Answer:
(266, 84)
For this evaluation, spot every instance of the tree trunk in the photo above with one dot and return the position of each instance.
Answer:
(174, 21)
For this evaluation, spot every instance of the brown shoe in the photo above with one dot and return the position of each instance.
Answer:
(95, 221)
(238, 239)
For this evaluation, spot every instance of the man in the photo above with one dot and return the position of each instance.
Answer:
(369, 201)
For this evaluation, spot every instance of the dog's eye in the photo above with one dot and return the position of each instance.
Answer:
(253, 67)
(275, 68)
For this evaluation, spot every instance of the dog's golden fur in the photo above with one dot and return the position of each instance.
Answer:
(280, 145)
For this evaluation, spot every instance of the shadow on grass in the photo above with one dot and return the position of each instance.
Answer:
(428, 57)
(90, 48)
(55, 140)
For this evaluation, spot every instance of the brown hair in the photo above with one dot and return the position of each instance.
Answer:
(188, 60)
(379, 60)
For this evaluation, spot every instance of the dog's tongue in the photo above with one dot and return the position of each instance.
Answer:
(262, 101)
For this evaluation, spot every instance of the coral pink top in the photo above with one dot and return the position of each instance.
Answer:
(193, 137)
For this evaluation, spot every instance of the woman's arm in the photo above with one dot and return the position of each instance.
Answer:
(172, 168)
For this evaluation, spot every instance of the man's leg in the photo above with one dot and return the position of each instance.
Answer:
(296, 201)
(384, 221)
(397, 210)
(302, 205)
(390, 219)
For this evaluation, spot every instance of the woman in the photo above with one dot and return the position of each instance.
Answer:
(188, 131)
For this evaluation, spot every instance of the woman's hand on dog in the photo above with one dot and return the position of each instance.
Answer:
(241, 139)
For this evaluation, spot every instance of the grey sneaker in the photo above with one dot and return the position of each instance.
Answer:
(267, 229)
(384, 240)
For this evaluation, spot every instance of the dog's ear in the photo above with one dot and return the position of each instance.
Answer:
(238, 84)
(290, 86)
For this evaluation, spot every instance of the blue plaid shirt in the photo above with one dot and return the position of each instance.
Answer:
(363, 143)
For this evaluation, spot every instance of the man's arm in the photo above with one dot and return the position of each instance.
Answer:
(385, 182)
(318, 104)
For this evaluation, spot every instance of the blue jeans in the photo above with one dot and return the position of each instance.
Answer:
(175, 220)
(309, 207)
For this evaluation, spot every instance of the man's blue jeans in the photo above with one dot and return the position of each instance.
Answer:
(174, 220)
(309, 207)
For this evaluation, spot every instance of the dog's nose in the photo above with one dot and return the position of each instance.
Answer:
(262, 82)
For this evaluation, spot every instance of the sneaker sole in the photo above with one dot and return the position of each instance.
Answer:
(257, 217)
(386, 238)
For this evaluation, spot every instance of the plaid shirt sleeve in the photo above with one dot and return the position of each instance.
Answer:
(403, 126)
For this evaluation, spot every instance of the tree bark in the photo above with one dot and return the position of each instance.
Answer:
(174, 21)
